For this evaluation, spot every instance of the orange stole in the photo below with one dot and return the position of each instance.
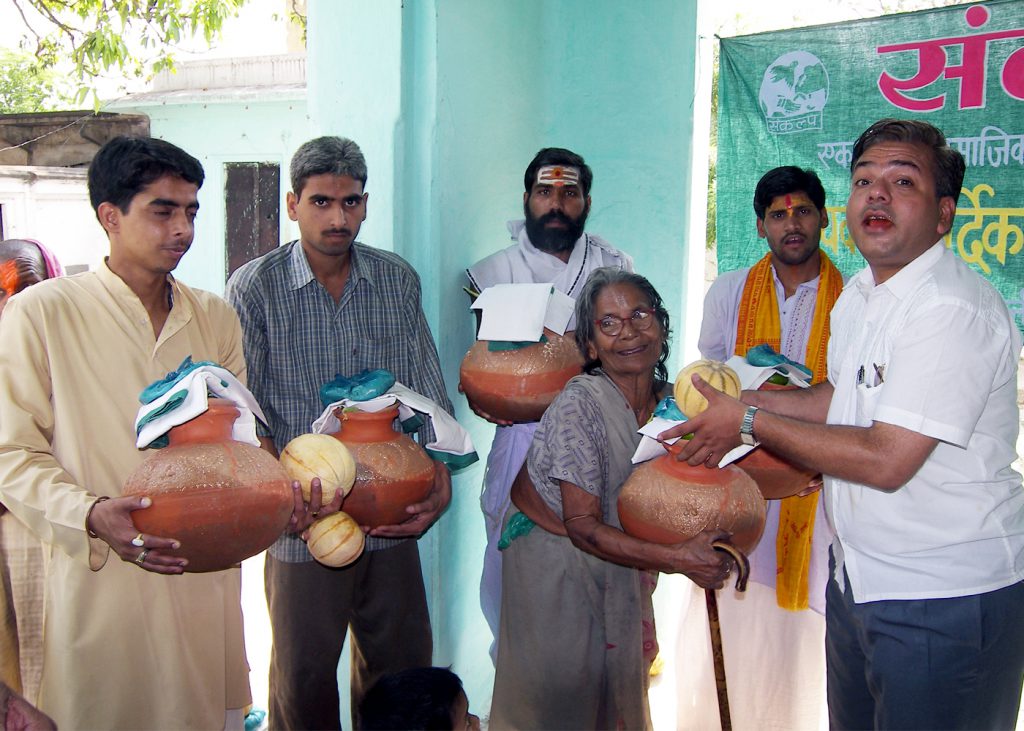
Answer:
(759, 323)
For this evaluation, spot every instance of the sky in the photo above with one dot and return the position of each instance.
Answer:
(741, 17)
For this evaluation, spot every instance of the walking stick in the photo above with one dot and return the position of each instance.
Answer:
(717, 656)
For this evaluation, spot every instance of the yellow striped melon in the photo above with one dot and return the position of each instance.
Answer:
(319, 455)
(717, 374)
(335, 540)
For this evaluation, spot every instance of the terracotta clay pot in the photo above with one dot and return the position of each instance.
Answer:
(519, 385)
(392, 471)
(224, 500)
(667, 501)
(776, 476)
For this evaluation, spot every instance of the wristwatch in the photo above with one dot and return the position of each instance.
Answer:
(747, 427)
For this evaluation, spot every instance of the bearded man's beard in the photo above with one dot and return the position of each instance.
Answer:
(554, 240)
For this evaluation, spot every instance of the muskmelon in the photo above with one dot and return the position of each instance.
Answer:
(319, 455)
(335, 540)
(718, 375)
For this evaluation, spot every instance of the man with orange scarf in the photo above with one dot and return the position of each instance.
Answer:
(783, 300)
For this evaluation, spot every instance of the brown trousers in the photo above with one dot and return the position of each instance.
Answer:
(380, 598)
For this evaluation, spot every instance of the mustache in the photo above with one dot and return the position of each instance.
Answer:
(555, 216)
(336, 231)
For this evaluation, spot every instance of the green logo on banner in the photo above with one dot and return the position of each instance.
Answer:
(793, 94)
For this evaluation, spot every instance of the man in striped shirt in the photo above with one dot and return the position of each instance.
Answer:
(323, 305)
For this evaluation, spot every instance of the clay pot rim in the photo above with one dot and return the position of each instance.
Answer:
(391, 412)
(211, 426)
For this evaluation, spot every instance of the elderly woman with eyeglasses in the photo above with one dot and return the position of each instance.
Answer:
(576, 593)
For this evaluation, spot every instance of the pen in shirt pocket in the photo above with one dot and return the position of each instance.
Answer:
(879, 374)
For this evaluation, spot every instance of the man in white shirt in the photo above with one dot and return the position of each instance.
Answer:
(550, 246)
(915, 430)
(784, 300)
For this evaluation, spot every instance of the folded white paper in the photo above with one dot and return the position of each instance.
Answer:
(520, 312)
(560, 309)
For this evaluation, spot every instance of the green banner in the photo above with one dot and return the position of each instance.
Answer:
(802, 97)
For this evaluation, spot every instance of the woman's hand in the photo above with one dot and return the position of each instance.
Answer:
(698, 560)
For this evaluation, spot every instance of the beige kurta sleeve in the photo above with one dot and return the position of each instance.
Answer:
(232, 355)
(33, 485)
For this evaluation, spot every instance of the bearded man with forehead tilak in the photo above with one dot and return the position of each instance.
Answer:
(550, 245)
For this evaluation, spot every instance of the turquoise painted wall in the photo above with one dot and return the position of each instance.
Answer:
(449, 100)
(217, 133)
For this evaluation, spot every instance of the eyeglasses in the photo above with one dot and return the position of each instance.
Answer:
(640, 320)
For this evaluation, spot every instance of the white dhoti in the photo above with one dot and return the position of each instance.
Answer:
(508, 453)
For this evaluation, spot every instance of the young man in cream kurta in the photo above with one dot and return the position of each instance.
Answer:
(124, 646)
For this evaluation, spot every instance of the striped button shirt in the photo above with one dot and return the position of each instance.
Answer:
(297, 338)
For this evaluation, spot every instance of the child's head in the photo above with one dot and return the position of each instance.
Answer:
(420, 698)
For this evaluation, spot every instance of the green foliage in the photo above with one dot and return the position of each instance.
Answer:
(24, 87)
(133, 38)
(297, 15)
(711, 231)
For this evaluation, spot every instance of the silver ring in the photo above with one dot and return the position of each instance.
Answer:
(138, 542)
(142, 557)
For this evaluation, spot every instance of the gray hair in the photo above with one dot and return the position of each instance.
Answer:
(13, 248)
(586, 307)
(327, 156)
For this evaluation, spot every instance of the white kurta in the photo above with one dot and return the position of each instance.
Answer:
(774, 658)
(123, 647)
(718, 342)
